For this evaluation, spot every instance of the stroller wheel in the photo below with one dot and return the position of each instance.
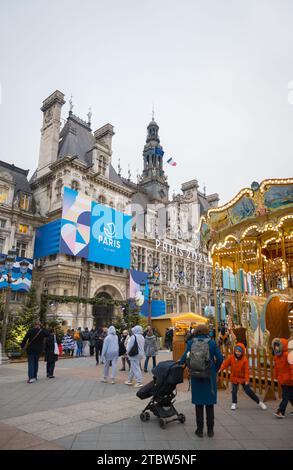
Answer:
(162, 423)
(145, 416)
(181, 418)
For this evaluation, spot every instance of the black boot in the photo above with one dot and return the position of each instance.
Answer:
(199, 420)
(210, 420)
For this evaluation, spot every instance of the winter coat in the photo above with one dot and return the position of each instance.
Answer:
(50, 355)
(239, 367)
(137, 333)
(92, 338)
(111, 346)
(68, 343)
(100, 336)
(204, 391)
(150, 346)
(283, 371)
(36, 346)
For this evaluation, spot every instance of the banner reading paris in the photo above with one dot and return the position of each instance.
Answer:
(88, 230)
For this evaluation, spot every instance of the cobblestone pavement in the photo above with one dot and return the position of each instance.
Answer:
(77, 411)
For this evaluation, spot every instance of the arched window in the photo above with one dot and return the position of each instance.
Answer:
(102, 199)
(75, 185)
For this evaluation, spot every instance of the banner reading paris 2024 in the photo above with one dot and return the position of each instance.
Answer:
(89, 230)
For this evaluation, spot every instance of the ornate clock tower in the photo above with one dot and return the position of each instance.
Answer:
(153, 179)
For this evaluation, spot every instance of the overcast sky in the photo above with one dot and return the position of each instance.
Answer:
(217, 71)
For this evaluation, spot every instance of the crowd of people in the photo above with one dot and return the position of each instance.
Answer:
(135, 347)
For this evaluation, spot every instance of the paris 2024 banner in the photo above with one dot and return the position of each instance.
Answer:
(89, 230)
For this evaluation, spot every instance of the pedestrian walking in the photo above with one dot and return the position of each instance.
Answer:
(33, 343)
(85, 342)
(238, 363)
(204, 360)
(283, 372)
(123, 345)
(51, 353)
(150, 349)
(110, 354)
(78, 340)
(169, 336)
(135, 351)
(92, 342)
(100, 336)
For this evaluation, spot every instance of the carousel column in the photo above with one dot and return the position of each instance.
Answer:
(215, 297)
(284, 267)
(220, 285)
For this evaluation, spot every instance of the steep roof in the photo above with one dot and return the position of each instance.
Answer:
(76, 139)
(19, 177)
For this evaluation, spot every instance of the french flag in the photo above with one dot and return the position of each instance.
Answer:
(171, 162)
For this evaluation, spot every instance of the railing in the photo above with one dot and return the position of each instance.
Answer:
(261, 366)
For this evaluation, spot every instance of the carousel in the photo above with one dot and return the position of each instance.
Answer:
(250, 243)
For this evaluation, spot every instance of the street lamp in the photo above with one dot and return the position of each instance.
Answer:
(153, 288)
(6, 266)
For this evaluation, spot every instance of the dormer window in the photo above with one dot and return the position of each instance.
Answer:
(24, 202)
(4, 191)
(102, 163)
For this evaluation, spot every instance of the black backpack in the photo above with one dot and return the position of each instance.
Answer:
(134, 350)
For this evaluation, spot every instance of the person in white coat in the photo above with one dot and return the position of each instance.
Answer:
(135, 370)
(110, 354)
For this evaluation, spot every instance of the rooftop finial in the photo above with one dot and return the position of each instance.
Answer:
(153, 113)
(89, 115)
(70, 104)
(119, 168)
(204, 189)
(129, 173)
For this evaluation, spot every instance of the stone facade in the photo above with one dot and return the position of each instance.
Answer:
(163, 232)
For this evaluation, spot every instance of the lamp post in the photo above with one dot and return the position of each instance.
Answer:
(6, 265)
(153, 286)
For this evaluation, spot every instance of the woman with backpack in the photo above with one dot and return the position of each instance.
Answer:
(204, 359)
(135, 351)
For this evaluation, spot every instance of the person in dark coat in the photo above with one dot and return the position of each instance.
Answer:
(100, 335)
(51, 353)
(92, 342)
(204, 391)
(34, 343)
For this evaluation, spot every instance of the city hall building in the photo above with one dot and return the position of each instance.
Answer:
(163, 233)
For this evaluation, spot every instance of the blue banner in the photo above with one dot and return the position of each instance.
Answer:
(89, 230)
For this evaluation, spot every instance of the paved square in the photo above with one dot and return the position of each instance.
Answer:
(77, 411)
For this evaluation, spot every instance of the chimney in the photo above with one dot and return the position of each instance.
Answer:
(50, 131)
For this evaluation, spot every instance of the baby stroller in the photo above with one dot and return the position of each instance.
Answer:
(162, 389)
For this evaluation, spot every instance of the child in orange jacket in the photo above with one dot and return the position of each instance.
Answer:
(283, 372)
(240, 375)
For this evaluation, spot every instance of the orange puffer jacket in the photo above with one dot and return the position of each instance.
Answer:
(239, 367)
(283, 371)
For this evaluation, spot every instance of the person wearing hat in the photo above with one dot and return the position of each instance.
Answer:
(283, 372)
(238, 363)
